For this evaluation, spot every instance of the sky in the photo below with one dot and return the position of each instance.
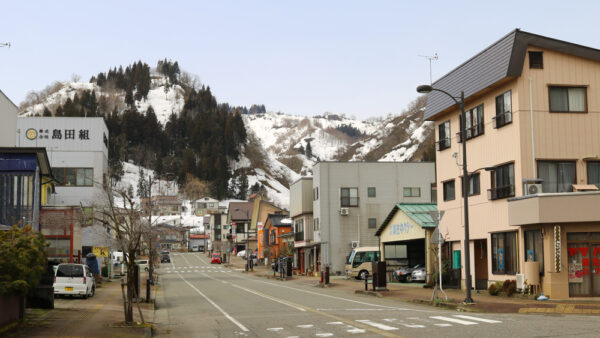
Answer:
(358, 58)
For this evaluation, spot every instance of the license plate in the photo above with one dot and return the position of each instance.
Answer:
(68, 289)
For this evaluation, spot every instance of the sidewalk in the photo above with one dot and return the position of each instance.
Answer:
(98, 316)
(410, 292)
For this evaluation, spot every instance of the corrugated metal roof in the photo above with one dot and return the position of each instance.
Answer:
(503, 59)
(418, 212)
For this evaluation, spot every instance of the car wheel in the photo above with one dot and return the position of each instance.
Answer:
(93, 291)
(84, 296)
(408, 279)
(363, 274)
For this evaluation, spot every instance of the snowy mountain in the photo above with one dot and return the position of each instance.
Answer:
(281, 148)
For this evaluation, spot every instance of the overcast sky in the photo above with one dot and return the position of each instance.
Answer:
(360, 58)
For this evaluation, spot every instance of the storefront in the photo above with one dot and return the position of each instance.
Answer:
(405, 236)
(584, 264)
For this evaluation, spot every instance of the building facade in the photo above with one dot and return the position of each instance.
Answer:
(306, 250)
(531, 114)
(351, 199)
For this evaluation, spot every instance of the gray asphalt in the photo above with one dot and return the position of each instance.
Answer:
(203, 300)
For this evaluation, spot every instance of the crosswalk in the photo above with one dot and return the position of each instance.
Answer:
(330, 329)
(192, 269)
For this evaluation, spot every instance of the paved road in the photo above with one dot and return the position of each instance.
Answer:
(203, 300)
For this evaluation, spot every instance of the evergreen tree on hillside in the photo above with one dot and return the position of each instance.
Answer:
(46, 112)
(308, 150)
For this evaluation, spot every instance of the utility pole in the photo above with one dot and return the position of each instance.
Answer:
(150, 260)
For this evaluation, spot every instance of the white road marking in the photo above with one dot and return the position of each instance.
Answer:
(393, 309)
(453, 320)
(377, 325)
(326, 295)
(233, 320)
(260, 294)
(443, 325)
(335, 323)
(355, 330)
(306, 326)
(274, 329)
(414, 326)
(324, 334)
(491, 321)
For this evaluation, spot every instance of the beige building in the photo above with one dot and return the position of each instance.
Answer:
(532, 113)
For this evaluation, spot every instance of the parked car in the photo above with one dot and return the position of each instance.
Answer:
(165, 258)
(142, 263)
(74, 279)
(404, 274)
(215, 259)
(418, 275)
(194, 248)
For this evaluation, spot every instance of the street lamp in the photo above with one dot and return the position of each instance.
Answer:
(460, 101)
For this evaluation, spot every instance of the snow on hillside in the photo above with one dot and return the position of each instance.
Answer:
(163, 103)
(68, 90)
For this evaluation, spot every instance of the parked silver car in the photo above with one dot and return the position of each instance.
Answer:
(418, 275)
(404, 274)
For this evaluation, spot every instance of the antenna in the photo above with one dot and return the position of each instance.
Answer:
(5, 44)
(430, 58)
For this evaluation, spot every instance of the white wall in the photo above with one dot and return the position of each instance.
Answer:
(8, 116)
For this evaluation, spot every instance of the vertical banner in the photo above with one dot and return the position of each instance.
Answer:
(557, 244)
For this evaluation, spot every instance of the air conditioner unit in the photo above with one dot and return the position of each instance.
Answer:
(344, 211)
(355, 244)
(532, 186)
(520, 281)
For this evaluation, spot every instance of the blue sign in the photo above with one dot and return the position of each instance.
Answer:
(501, 259)
(398, 229)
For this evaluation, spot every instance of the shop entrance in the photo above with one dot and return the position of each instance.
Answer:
(481, 264)
(584, 264)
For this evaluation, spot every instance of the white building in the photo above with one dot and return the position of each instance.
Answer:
(8, 116)
(351, 200)
(78, 151)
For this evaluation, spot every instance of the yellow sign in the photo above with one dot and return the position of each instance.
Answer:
(31, 133)
(100, 251)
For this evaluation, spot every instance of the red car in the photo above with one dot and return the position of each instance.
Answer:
(215, 259)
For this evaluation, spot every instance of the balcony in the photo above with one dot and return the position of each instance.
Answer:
(567, 207)
(298, 236)
(471, 132)
(501, 192)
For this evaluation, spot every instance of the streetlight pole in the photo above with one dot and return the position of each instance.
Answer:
(460, 101)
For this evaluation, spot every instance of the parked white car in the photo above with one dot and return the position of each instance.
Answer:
(74, 279)
(142, 263)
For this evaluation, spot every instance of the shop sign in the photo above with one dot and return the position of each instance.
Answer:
(399, 229)
(100, 251)
(58, 134)
(585, 267)
(557, 244)
(575, 273)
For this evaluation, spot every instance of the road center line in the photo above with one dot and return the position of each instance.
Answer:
(233, 320)
(258, 294)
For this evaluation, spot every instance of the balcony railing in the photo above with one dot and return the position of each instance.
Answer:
(501, 192)
(443, 144)
(298, 236)
(471, 132)
(502, 119)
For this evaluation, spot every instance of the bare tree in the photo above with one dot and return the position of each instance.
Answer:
(118, 211)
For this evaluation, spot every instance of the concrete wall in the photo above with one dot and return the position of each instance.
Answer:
(336, 232)
(8, 116)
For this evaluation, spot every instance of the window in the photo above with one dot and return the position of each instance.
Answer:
(316, 224)
(473, 185)
(567, 99)
(299, 230)
(593, 172)
(395, 251)
(504, 253)
(273, 233)
(433, 193)
(371, 192)
(503, 110)
(82, 177)
(473, 122)
(443, 135)
(534, 248)
(503, 182)
(536, 60)
(372, 223)
(412, 192)
(449, 190)
(557, 176)
(349, 197)
(316, 194)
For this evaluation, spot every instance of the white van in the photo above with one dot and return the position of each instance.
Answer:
(74, 279)
(360, 261)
